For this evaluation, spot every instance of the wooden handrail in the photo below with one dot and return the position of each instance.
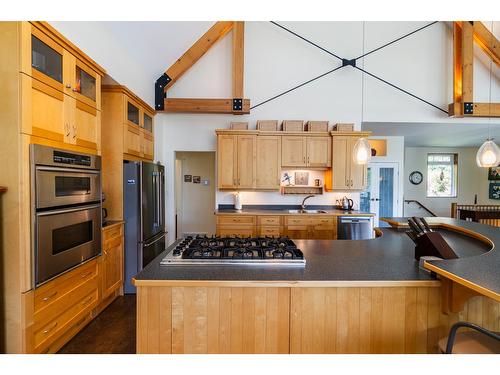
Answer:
(455, 208)
(421, 205)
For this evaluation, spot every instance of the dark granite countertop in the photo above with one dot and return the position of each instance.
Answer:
(389, 258)
(480, 272)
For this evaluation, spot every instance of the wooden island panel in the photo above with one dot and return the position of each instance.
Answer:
(367, 320)
(212, 320)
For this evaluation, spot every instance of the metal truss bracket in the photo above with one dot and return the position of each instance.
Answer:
(346, 62)
(468, 108)
(160, 94)
(237, 104)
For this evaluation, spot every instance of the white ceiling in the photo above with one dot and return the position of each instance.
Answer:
(437, 134)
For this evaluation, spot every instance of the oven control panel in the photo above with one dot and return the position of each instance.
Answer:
(72, 159)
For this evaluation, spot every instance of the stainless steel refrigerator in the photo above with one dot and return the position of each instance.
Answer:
(144, 205)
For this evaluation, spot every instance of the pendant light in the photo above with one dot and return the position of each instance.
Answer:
(362, 151)
(488, 154)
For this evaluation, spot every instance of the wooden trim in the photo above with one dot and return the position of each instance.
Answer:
(197, 50)
(86, 144)
(55, 35)
(290, 284)
(59, 144)
(454, 296)
(41, 84)
(238, 58)
(124, 90)
(487, 41)
(44, 133)
(86, 108)
(185, 105)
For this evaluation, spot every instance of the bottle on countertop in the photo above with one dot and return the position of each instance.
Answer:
(237, 201)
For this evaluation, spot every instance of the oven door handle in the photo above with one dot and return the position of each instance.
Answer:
(68, 210)
(70, 170)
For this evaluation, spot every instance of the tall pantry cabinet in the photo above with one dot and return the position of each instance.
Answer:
(50, 95)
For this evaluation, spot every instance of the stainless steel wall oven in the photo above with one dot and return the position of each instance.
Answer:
(66, 200)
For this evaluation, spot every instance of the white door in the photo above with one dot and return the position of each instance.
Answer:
(381, 196)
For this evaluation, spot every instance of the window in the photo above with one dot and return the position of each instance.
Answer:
(442, 175)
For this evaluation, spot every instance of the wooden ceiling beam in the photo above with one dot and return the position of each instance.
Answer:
(197, 50)
(238, 58)
(189, 105)
(487, 41)
(465, 33)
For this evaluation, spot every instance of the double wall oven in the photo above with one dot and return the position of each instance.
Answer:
(66, 199)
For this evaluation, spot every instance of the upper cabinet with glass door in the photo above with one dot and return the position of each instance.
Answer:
(60, 88)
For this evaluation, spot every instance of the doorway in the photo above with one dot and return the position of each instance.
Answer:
(194, 193)
(381, 196)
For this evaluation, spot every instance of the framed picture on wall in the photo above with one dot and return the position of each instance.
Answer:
(302, 178)
(494, 174)
(494, 190)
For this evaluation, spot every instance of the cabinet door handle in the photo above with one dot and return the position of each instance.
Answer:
(66, 126)
(68, 86)
(49, 296)
(304, 159)
(50, 329)
(74, 131)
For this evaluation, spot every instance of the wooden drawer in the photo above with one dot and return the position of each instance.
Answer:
(53, 290)
(111, 232)
(65, 302)
(269, 231)
(268, 220)
(237, 219)
(46, 334)
(323, 222)
(111, 243)
(235, 232)
(297, 220)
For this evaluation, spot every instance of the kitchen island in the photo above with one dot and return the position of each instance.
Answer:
(366, 296)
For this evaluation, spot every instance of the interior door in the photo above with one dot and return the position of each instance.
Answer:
(381, 196)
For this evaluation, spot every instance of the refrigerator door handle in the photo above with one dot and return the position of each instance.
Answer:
(155, 241)
(155, 199)
(160, 200)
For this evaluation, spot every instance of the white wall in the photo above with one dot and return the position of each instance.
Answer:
(136, 53)
(471, 180)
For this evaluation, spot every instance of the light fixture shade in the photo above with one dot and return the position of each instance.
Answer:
(488, 155)
(362, 152)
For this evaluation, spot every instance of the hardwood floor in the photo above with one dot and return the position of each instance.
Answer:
(112, 332)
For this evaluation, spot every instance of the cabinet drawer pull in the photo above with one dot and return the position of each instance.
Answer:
(87, 274)
(49, 296)
(46, 351)
(50, 329)
(80, 321)
(86, 302)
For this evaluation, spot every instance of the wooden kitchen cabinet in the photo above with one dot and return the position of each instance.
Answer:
(268, 167)
(60, 89)
(345, 174)
(236, 226)
(112, 261)
(127, 134)
(311, 227)
(236, 161)
(306, 151)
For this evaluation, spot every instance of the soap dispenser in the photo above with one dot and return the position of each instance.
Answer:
(237, 201)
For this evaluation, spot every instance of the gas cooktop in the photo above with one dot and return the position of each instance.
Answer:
(235, 251)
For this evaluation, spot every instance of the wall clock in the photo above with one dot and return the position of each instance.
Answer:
(416, 177)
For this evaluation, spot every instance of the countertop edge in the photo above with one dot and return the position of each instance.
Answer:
(289, 284)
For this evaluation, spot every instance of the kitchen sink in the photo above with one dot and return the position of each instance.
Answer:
(306, 212)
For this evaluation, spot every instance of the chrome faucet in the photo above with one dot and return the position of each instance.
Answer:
(303, 205)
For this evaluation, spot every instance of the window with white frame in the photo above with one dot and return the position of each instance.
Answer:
(442, 175)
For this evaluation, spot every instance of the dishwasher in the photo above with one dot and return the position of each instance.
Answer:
(355, 228)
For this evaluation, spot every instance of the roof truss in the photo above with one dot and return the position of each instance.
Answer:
(465, 33)
(235, 105)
